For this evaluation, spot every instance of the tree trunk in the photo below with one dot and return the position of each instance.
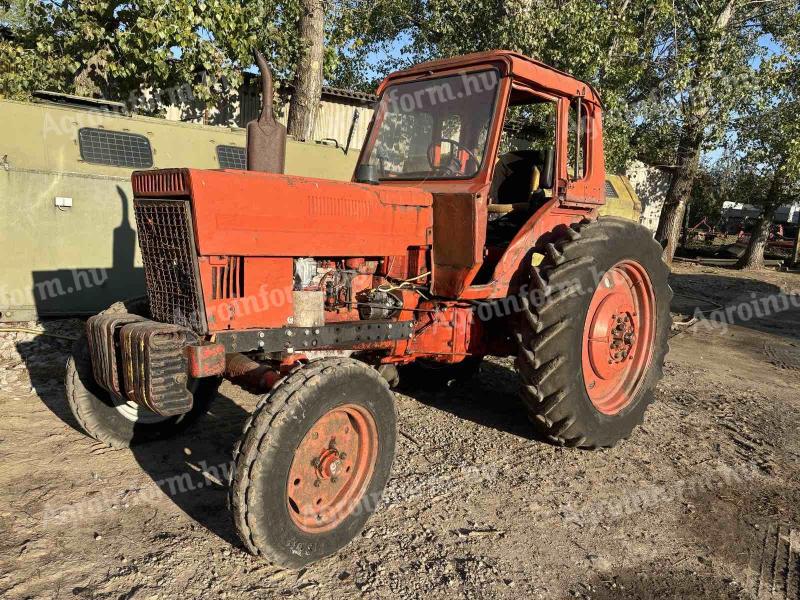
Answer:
(695, 118)
(91, 81)
(308, 71)
(680, 188)
(753, 257)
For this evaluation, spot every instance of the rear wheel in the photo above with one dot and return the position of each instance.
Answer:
(313, 460)
(593, 333)
(120, 423)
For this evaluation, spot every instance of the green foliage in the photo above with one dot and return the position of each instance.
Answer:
(671, 73)
(607, 44)
(113, 49)
(766, 146)
(661, 66)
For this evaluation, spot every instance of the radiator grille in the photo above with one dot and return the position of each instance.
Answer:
(228, 281)
(170, 262)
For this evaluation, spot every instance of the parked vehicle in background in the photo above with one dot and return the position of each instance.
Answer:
(66, 212)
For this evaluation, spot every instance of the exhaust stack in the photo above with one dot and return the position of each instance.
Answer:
(266, 138)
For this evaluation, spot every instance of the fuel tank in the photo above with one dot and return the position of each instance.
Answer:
(264, 214)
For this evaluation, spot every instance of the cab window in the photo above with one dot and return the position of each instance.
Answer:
(433, 129)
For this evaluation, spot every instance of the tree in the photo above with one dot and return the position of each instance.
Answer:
(706, 68)
(768, 150)
(607, 44)
(115, 49)
(309, 69)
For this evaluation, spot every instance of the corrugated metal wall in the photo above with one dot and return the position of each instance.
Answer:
(333, 120)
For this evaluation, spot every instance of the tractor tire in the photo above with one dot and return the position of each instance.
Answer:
(313, 461)
(592, 332)
(117, 424)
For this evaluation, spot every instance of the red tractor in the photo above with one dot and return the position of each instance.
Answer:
(470, 229)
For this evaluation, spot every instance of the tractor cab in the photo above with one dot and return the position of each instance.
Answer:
(497, 138)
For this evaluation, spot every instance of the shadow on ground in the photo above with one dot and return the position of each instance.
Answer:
(191, 469)
(45, 358)
(489, 398)
(753, 304)
(657, 581)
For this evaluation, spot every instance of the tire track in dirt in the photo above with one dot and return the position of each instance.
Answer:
(775, 564)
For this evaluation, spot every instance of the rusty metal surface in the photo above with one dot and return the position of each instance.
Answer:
(206, 359)
(266, 138)
(155, 366)
(458, 241)
(338, 335)
(164, 183)
(331, 468)
(102, 333)
(170, 262)
(249, 374)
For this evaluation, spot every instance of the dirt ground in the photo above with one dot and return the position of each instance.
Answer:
(703, 501)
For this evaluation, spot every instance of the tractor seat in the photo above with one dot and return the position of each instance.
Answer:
(519, 178)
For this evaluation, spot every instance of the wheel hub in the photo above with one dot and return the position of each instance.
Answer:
(622, 336)
(618, 336)
(329, 463)
(331, 469)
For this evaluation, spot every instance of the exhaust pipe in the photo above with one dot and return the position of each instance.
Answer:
(266, 138)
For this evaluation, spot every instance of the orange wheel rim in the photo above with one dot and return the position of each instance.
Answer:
(618, 337)
(331, 469)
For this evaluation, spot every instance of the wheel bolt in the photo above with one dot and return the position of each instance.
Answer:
(342, 455)
(316, 483)
(334, 479)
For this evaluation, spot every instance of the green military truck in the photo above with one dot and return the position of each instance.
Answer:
(66, 228)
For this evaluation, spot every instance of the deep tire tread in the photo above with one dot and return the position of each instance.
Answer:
(545, 335)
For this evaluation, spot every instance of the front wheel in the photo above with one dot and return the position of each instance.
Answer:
(593, 332)
(312, 462)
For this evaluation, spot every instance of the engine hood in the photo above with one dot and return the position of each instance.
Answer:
(262, 214)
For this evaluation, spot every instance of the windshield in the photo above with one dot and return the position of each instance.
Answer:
(433, 129)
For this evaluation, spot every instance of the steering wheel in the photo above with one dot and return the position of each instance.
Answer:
(453, 166)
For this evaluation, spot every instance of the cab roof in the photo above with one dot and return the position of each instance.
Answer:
(520, 67)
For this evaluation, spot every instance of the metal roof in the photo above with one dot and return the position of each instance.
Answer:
(328, 92)
(80, 101)
(518, 65)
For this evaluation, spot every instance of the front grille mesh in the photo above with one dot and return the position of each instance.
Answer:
(170, 262)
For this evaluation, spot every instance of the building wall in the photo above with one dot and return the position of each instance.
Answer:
(788, 213)
(651, 185)
(82, 257)
(334, 118)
